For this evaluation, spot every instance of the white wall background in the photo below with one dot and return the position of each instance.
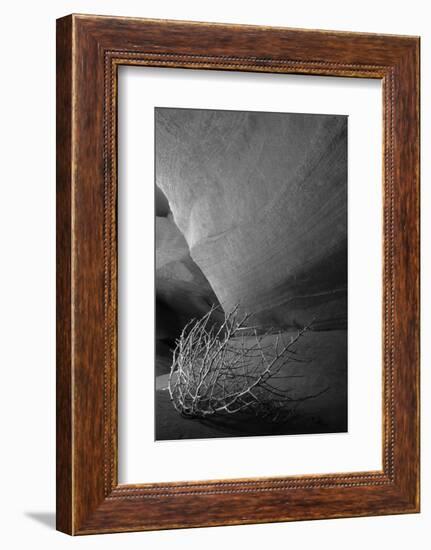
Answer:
(27, 244)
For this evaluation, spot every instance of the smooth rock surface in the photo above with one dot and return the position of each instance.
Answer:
(182, 291)
(261, 200)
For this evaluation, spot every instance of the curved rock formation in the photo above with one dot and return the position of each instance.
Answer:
(261, 199)
(182, 291)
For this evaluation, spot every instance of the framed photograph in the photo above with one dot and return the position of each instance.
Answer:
(237, 274)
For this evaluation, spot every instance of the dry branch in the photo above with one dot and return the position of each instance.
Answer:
(232, 368)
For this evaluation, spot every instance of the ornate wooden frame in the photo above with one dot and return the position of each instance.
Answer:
(89, 51)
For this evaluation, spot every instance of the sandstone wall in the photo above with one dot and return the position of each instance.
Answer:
(261, 200)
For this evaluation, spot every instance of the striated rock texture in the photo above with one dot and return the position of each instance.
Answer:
(182, 291)
(181, 288)
(261, 200)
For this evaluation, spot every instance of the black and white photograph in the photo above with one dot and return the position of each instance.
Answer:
(251, 273)
(215, 275)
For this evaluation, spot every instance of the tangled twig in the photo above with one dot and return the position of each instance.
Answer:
(231, 368)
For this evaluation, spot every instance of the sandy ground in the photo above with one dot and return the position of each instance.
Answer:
(327, 368)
